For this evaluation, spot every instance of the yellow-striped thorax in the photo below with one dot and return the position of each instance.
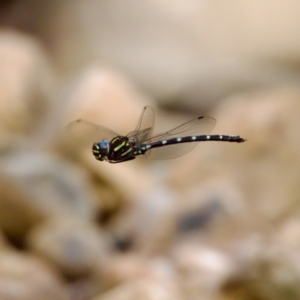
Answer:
(119, 148)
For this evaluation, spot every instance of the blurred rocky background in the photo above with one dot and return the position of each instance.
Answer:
(220, 223)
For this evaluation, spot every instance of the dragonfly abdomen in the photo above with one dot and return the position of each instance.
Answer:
(189, 139)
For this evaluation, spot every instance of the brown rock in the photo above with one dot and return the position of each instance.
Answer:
(27, 278)
(74, 246)
(35, 186)
(105, 97)
(149, 224)
(202, 270)
(141, 289)
(266, 268)
(119, 268)
(25, 82)
(218, 56)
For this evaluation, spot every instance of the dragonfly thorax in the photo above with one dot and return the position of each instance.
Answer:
(120, 148)
(101, 150)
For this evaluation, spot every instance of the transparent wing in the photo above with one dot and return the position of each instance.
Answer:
(198, 126)
(86, 133)
(144, 126)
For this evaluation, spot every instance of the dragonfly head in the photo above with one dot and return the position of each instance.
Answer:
(100, 150)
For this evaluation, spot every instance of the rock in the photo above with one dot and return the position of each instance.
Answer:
(212, 206)
(120, 268)
(4, 244)
(269, 121)
(265, 269)
(35, 186)
(149, 225)
(140, 289)
(105, 97)
(74, 246)
(218, 56)
(202, 270)
(289, 234)
(28, 278)
(26, 83)
(84, 288)
(134, 277)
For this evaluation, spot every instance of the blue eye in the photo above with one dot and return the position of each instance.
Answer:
(103, 144)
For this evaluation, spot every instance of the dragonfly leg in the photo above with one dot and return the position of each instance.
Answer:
(123, 160)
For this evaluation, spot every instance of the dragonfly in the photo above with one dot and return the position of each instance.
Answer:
(107, 145)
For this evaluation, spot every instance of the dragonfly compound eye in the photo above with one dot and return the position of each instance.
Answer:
(100, 150)
(103, 145)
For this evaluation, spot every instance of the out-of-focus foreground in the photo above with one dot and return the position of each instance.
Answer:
(220, 223)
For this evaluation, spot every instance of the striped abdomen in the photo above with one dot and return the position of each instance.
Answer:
(188, 139)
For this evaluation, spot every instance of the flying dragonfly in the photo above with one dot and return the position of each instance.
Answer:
(109, 146)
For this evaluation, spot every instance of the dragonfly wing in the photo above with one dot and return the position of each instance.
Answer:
(171, 151)
(144, 126)
(139, 136)
(198, 126)
(86, 133)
